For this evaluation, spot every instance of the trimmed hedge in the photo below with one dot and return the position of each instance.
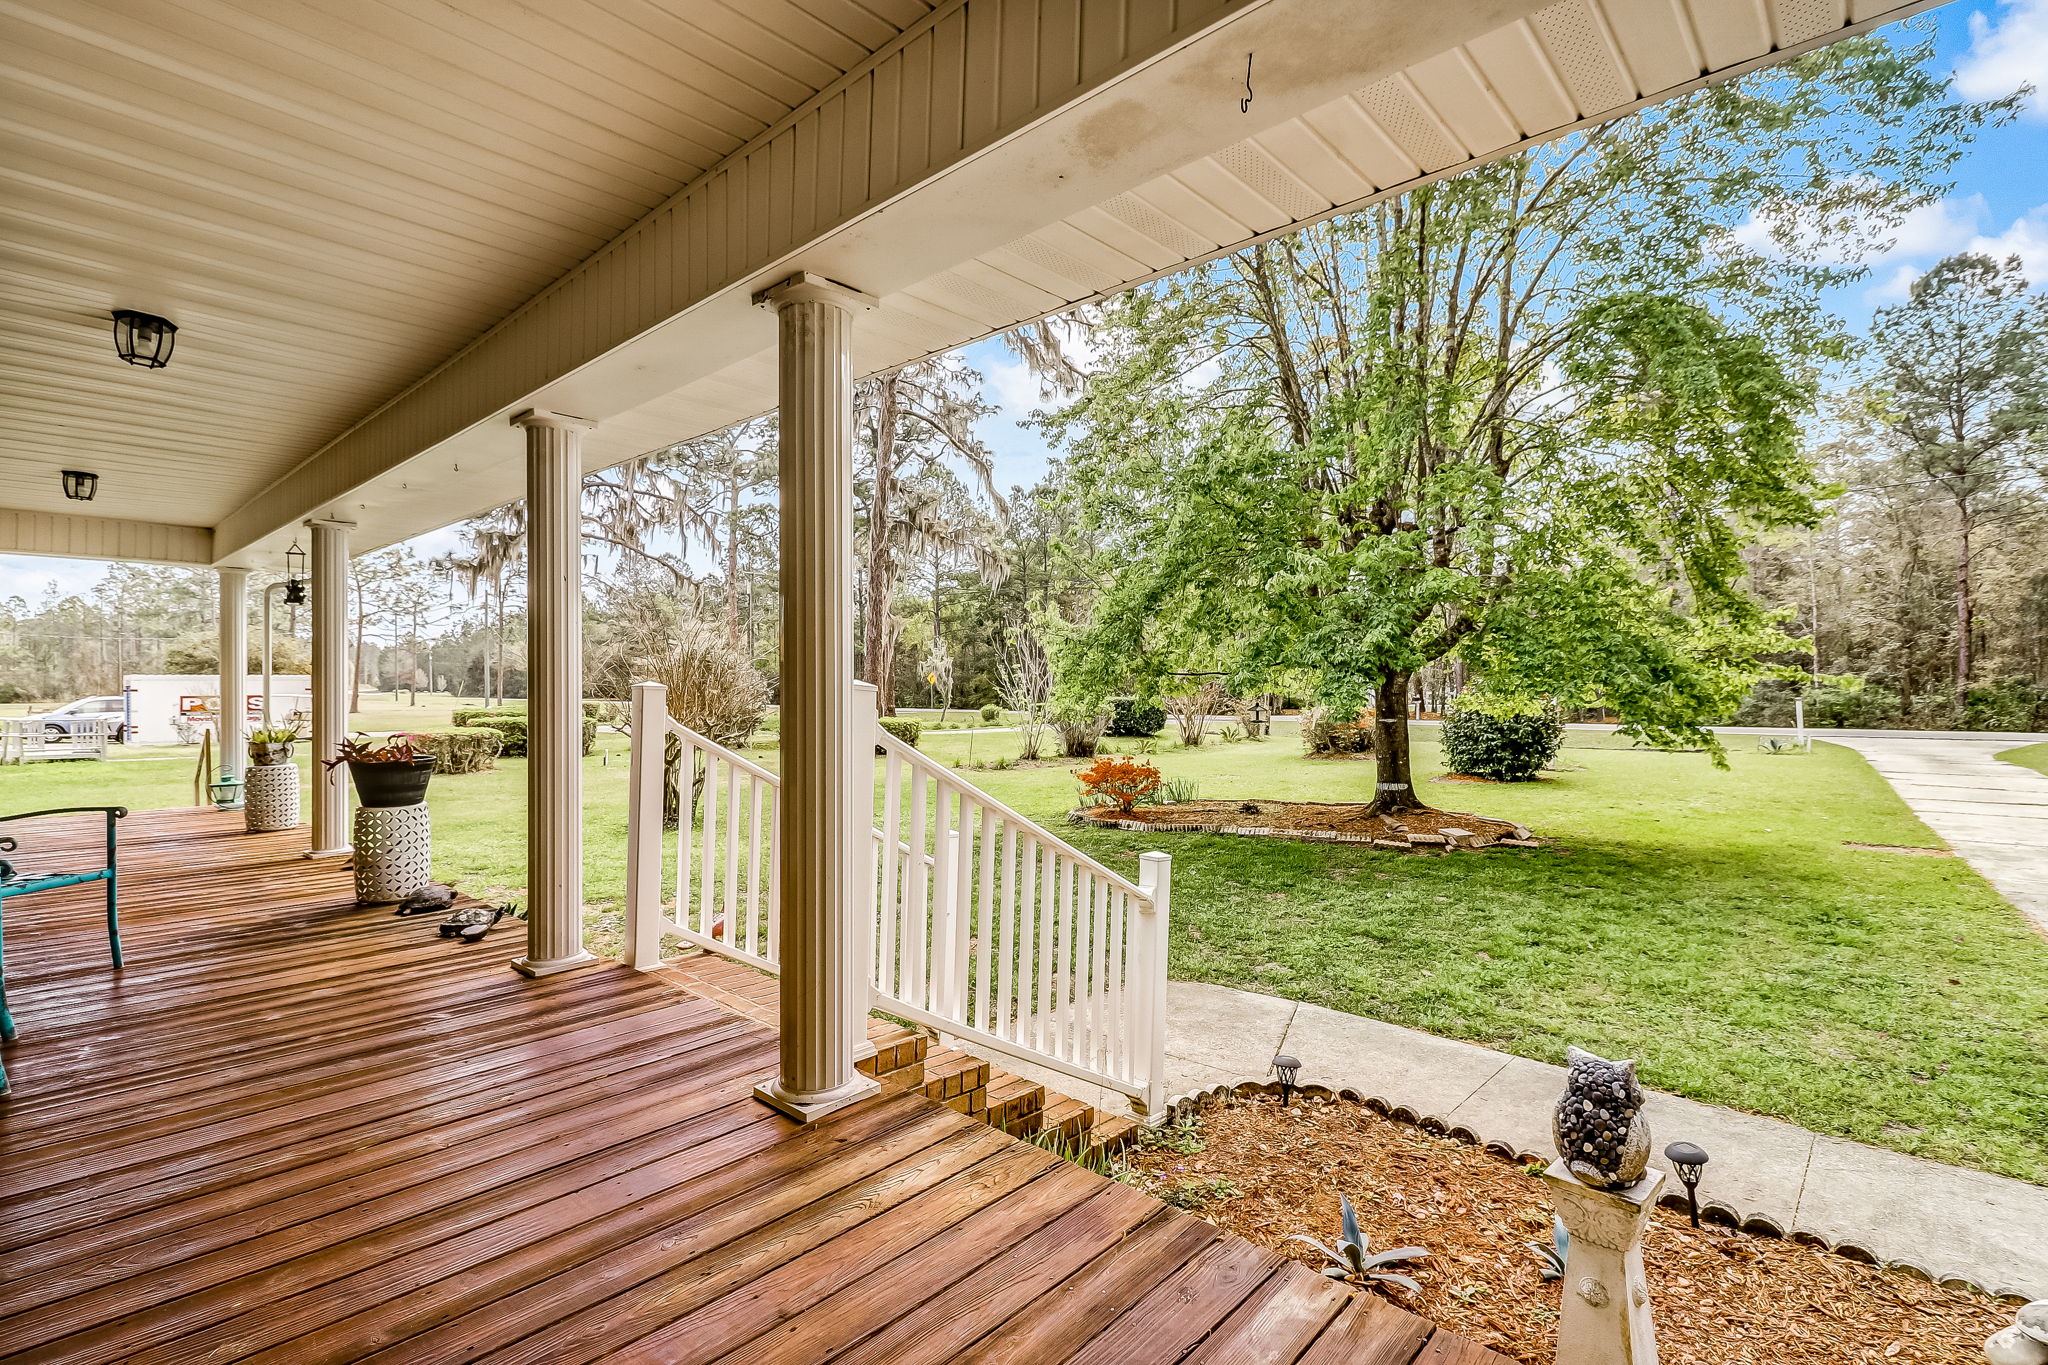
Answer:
(903, 728)
(512, 725)
(1507, 748)
(991, 713)
(1130, 718)
(462, 748)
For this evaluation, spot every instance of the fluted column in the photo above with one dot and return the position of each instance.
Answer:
(234, 670)
(554, 693)
(330, 684)
(814, 385)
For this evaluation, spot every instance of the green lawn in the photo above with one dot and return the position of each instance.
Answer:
(1709, 923)
(2033, 756)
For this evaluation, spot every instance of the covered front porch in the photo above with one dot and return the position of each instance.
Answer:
(292, 1128)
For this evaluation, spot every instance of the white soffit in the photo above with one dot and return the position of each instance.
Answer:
(331, 199)
(1560, 66)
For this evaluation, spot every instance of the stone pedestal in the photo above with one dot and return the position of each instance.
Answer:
(1606, 1318)
(270, 798)
(394, 852)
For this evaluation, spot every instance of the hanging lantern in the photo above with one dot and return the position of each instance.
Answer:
(144, 338)
(227, 792)
(79, 486)
(295, 570)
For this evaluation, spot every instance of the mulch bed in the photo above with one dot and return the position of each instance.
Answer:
(1720, 1297)
(1307, 818)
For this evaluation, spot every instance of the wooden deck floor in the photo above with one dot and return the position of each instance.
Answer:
(293, 1130)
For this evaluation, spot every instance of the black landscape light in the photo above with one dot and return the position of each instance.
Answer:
(144, 338)
(1286, 1068)
(79, 486)
(1688, 1160)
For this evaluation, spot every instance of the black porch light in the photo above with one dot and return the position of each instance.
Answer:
(144, 338)
(1688, 1161)
(79, 486)
(1286, 1068)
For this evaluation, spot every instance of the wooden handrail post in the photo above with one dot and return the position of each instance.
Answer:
(644, 826)
(1155, 878)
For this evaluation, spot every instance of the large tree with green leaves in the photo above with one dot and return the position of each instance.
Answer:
(1530, 414)
(1959, 401)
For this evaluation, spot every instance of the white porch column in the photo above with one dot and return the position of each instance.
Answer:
(814, 386)
(234, 671)
(554, 693)
(330, 684)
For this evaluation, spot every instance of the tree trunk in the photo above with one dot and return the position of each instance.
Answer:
(1963, 610)
(355, 682)
(1396, 791)
(878, 636)
(732, 562)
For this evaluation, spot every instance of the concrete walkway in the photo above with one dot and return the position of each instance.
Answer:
(1949, 1222)
(1994, 814)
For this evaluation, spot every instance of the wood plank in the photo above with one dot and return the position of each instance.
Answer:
(1276, 1323)
(295, 1129)
(942, 1327)
(1185, 1306)
(1370, 1331)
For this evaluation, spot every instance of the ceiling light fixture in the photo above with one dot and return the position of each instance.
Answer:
(79, 486)
(144, 338)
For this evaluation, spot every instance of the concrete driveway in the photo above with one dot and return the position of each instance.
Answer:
(1995, 815)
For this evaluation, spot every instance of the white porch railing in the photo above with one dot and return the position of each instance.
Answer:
(986, 926)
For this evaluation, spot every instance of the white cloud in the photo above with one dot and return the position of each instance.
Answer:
(32, 576)
(1931, 230)
(2006, 53)
(2026, 238)
(1896, 287)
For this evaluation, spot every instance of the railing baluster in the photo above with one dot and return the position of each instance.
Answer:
(707, 889)
(890, 857)
(1006, 946)
(985, 922)
(732, 856)
(756, 788)
(916, 928)
(1119, 960)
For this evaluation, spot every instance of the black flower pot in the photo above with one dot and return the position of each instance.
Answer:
(393, 784)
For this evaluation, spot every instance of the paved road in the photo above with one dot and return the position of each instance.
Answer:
(1994, 814)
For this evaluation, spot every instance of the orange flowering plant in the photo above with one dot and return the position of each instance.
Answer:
(1115, 781)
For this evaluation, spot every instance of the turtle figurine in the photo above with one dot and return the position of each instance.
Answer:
(429, 899)
(1602, 1135)
(471, 924)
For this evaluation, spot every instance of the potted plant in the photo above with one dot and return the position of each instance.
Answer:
(272, 748)
(390, 772)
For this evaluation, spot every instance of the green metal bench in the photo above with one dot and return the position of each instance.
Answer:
(13, 883)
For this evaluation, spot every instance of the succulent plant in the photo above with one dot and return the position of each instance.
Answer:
(1352, 1258)
(1553, 1256)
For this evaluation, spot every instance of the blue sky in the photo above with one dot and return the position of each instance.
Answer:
(1999, 205)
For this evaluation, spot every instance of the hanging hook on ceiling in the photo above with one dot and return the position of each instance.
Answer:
(1244, 106)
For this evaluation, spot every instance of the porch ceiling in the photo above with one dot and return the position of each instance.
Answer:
(371, 232)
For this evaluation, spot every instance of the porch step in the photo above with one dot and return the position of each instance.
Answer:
(907, 1059)
(1014, 1104)
(950, 1073)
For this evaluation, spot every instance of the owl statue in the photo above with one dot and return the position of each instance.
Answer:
(1602, 1136)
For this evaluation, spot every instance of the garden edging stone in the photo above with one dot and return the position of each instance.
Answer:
(1947, 1223)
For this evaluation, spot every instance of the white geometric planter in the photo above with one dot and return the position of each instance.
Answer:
(270, 798)
(394, 852)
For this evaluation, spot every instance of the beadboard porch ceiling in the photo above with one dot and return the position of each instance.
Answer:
(383, 230)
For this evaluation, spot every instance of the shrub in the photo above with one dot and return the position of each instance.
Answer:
(461, 748)
(1119, 782)
(1506, 741)
(902, 728)
(991, 713)
(1080, 731)
(1130, 718)
(1323, 733)
(713, 688)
